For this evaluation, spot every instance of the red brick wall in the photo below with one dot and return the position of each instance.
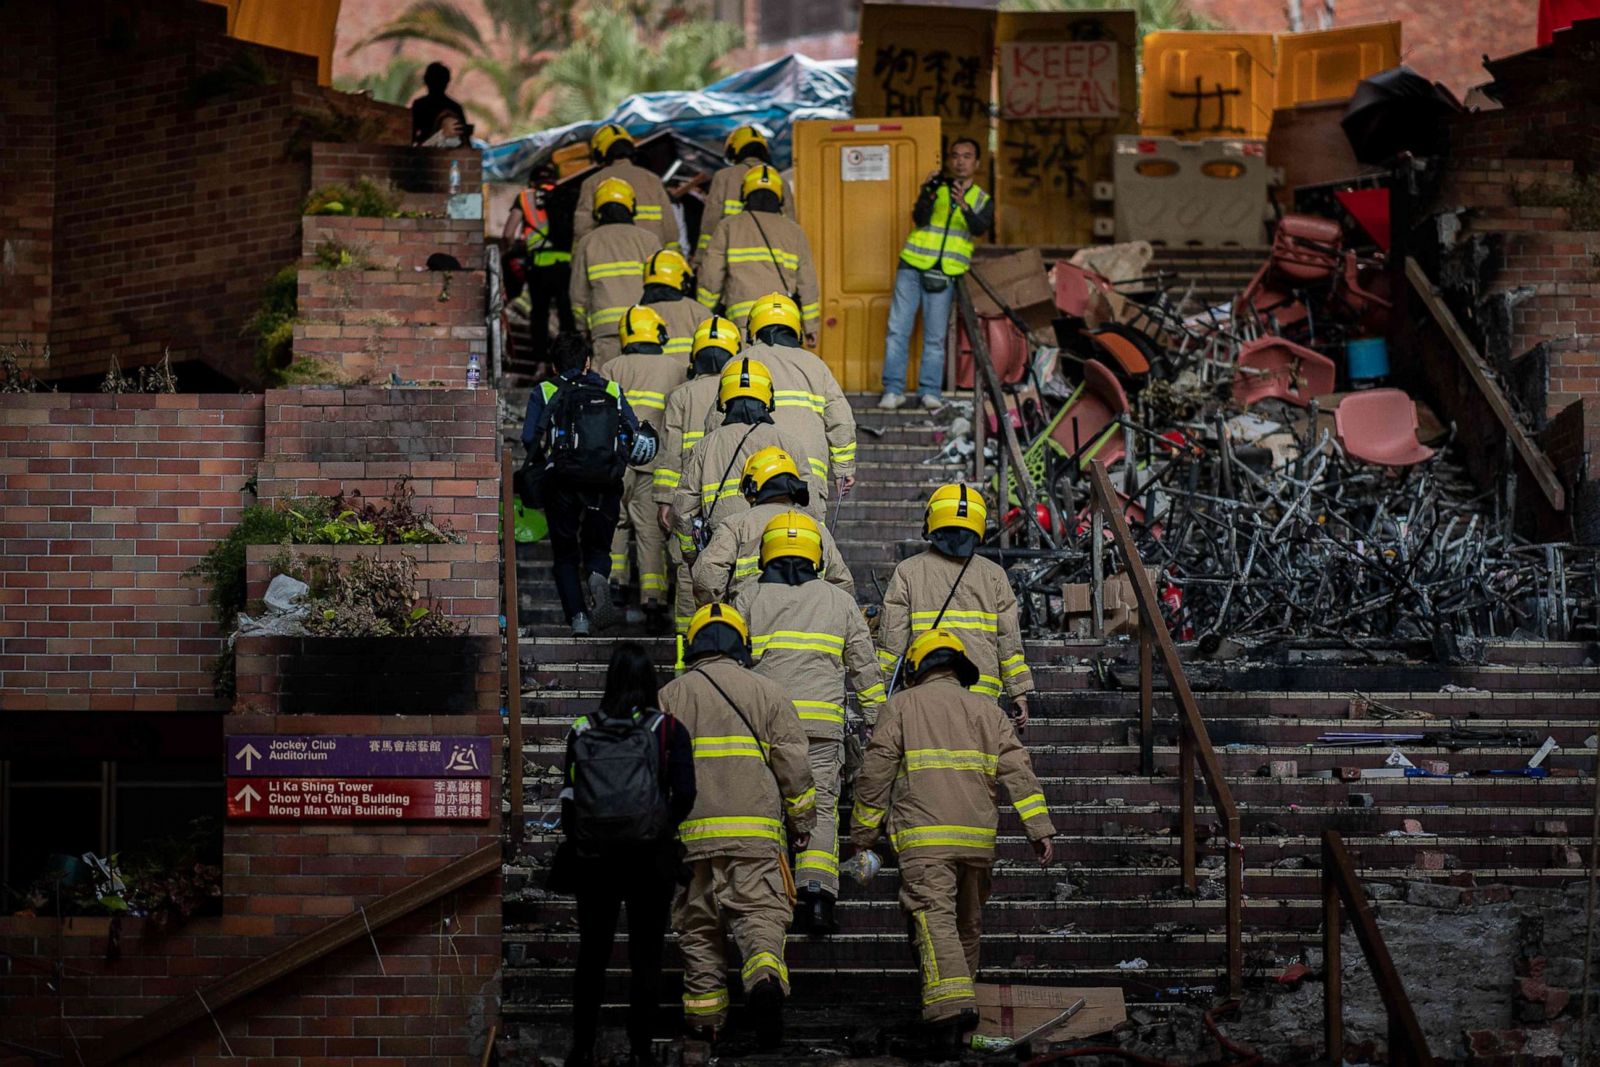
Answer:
(412, 170)
(171, 210)
(104, 502)
(432, 998)
(370, 324)
(399, 244)
(27, 171)
(321, 440)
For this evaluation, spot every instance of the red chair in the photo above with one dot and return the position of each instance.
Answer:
(1274, 367)
(1305, 250)
(1086, 420)
(1380, 426)
(1075, 288)
(1009, 351)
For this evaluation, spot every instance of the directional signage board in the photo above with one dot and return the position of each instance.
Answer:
(359, 799)
(297, 755)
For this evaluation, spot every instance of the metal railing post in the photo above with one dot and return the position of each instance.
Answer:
(1332, 963)
(1186, 807)
(1147, 700)
(513, 675)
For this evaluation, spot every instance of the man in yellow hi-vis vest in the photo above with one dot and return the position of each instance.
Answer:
(949, 213)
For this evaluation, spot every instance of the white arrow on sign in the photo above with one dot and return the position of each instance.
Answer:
(249, 754)
(247, 795)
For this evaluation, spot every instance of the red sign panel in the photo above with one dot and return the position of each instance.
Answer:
(359, 799)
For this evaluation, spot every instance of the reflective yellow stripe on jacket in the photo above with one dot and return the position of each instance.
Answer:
(727, 827)
(714, 1003)
(615, 268)
(1012, 666)
(942, 836)
(986, 621)
(797, 640)
(789, 261)
(820, 711)
(736, 745)
(950, 759)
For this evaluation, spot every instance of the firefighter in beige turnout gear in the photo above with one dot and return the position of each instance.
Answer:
(646, 375)
(715, 343)
(810, 408)
(928, 779)
(708, 491)
(751, 776)
(758, 251)
(810, 638)
(668, 292)
(612, 148)
(745, 149)
(608, 267)
(771, 485)
(951, 587)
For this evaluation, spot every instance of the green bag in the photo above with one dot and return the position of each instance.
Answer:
(528, 524)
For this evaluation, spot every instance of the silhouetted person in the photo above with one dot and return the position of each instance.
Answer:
(426, 109)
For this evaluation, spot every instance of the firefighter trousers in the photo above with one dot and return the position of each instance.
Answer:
(943, 901)
(650, 543)
(817, 867)
(745, 896)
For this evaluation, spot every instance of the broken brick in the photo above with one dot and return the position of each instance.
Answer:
(1283, 768)
(1565, 856)
(1347, 774)
(1411, 826)
(1434, 766)
(1550, 828)
(1429, 860)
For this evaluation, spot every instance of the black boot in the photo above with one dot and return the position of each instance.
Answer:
(802, 913)
(766, 1012)
(822, 921)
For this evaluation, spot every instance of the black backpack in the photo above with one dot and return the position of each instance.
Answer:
(585, 436)
(617, 795)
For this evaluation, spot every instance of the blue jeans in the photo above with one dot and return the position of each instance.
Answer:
(908, 297)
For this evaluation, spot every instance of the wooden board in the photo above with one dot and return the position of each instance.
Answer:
(1006, 1010)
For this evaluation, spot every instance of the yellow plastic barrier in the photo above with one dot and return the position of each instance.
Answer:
(1203, 84)
(1326, 65)
(306, 27)
(856, 183)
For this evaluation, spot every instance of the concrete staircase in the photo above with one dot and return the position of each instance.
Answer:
(1113, 893)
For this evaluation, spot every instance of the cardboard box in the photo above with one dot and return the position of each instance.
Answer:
(1020, 280)
(1009, 1011)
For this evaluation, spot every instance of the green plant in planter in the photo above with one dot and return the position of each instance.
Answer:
(365, 198)
(369, 598)
(164, 881)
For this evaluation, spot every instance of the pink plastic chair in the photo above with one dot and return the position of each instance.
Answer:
(1008, 350)
(1380, 426)
(1098, 401)
(1282, 369)
(1075, 288)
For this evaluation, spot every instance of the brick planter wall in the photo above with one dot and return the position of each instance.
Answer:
(388, 676)
(322, 440)
(104, 502)
(398, 244)
(370, 324)
(463, 579)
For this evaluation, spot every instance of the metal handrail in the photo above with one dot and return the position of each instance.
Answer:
(1194, 743)
(175, 1014)
(1407, 1046)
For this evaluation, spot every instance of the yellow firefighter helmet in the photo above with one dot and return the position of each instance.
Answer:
(932, 642)
(615, 191)
(642, 325)
(764, 466)
(745, 378)
(716, 332)
(762, 177)
(955, 505)
(774, 309)
(791, 533)
(711, 614)
(601, 140)
(666, 267)
(740, 139)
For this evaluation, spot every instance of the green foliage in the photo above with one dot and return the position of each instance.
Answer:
(611, 60)
(396, 83)
(243, 70)
(14, 375)
(157, 378)
(272, 325)
(223, 566)
(365, 199)
(164, 881)
(369, 598)
(332, 255)
(1579, 195)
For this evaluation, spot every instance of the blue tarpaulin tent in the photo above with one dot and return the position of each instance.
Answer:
(772, 95)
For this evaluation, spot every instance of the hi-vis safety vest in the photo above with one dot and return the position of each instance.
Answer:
(945, 241)
(536, 233)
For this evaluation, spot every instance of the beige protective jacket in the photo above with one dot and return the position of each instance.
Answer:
(810, 409)
(725, 197)
(688, 408)
(654, 207)
(740, 266)
(808, 638)
(983, 613)
(683, 317)
(712, 470)
(736, 548)
(608, 275)
(646, 381)
(932, 764)
(739, 769)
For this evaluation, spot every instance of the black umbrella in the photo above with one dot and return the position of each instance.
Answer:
(1394, 111)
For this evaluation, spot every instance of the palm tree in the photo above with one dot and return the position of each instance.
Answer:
(610, 60)
(523, 35)
(395, 84)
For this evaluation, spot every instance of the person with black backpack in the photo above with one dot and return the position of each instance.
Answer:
(581, 436)
(629, 784)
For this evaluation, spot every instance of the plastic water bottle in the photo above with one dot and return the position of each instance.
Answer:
(474, 371)
(455, 176)
(862, 867)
